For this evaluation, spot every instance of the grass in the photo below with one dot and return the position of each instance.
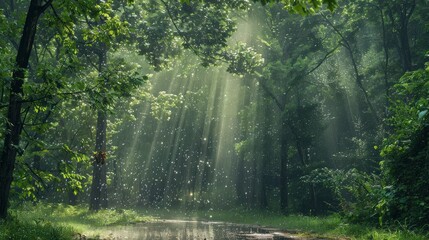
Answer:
(329, 227)
(14, 229)
(58, 221)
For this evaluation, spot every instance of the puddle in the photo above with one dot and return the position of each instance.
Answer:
(195, 230)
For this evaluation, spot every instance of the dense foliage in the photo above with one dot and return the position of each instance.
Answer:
(405, 152)
(218, 104)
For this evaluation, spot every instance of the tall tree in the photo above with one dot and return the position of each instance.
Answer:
(14, 123)
(286, 73)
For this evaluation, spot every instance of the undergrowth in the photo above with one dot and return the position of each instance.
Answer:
(59, 221)
(332, 226)
(23, 230)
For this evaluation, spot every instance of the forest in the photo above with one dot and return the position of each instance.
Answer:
(269, 112)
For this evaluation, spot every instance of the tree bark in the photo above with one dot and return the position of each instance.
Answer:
(240, 181)
(405, 46)
(408, 8)
(386, 58)
(14, 124)
(267, 155)
(98, 197)
(284, 178)
(400, 15)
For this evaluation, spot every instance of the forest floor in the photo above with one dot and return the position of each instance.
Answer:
(58, 221)
(308, 227)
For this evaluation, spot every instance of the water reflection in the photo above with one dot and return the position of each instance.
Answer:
(195, 230)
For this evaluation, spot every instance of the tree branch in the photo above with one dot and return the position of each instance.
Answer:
(271, 94)
(355, 67)
(59, 18)
(179, 31)
(46, 5)
(185, 38)
(35, 175)
(327, 55)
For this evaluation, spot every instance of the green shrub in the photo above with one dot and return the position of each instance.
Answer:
(36, 230)
(405, 152)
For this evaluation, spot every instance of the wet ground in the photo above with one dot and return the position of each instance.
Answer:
(197, 230)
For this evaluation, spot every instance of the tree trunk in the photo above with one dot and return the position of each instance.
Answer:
(263, 200)
(400, 15)
(284, 178)
(408, 8)
(240, 181)
(98, 198)
(14, 125)
(386, 61)
(405, 46)
(267, 155)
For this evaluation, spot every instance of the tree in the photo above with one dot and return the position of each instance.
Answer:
(284, 78)
(108, 30)
(158, 33)
(204, 40)
(17, 94)
(14, 125)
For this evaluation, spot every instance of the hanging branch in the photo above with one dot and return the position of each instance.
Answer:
(358, 77)
(29, 169)
(59, 19)
(327, 55)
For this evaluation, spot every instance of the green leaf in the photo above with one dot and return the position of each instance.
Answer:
(422, 114)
